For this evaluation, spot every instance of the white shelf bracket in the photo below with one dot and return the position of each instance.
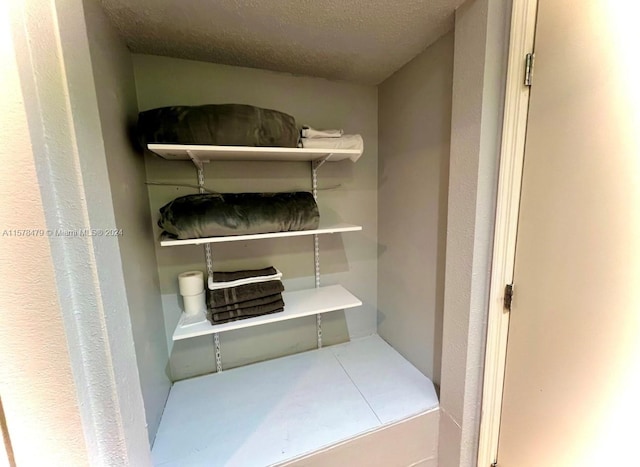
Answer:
(207, 247)
(207, 253)
(319, 162)
(196, 160)
(315, 165)
(319, 329)
(216, 342)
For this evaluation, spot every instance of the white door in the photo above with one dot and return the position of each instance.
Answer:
(572, 382)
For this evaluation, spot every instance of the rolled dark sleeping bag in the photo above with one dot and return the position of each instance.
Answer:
(218, 124)
(217, 215)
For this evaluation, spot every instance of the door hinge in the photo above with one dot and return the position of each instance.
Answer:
(508, 296)
(494, 464)
(528, 68)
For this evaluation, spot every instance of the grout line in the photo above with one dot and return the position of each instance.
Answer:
(356, 386)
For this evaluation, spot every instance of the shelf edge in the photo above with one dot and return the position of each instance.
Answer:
(207, 328)
(238, 238)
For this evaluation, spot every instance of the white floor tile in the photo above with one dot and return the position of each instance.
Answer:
(271, 411)
(392, 386)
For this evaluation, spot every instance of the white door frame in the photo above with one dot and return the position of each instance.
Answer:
(60, 104)
(523, 22)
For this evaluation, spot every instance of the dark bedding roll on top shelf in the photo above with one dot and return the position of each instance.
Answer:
(228, 132)
(218, 124)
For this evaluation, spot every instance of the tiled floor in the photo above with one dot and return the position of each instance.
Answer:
(272, 411)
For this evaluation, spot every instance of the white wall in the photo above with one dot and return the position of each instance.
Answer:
(96, 348)
(348, 193)
(36, 381)
(481, 38)
(118, 109)
(414, 117)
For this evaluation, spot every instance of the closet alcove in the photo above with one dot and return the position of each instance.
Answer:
(280, 399)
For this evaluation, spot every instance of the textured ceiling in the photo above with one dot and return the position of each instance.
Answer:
(355, 40)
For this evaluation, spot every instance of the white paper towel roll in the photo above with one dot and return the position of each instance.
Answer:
(194, 304)
(191, 283)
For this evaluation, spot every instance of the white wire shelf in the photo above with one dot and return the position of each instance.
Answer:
(205, 153)
(329, 229)
(296, 305)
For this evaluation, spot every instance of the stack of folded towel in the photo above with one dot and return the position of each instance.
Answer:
(244, 294)
(331, 139)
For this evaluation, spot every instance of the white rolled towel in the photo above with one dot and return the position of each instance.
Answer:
(308, 132)
(344, 142)
(249, 280)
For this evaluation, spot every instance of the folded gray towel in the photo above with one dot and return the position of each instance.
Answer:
(244, 313)
(246, 304)
(247, 317)
(216, 215)
(243, 293)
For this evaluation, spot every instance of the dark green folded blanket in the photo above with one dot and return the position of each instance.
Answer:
(248, 312)
(243, 293)
(215, 215)
(218, 124)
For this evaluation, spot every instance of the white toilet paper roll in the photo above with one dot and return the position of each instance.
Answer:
(194, 304)
(191, 283)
